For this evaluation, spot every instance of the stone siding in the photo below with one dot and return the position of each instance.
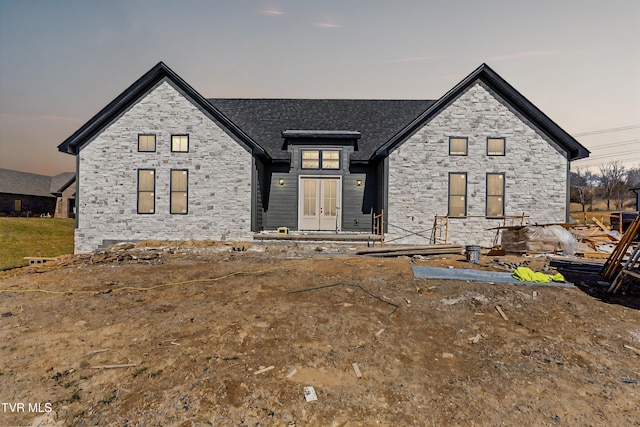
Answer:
(219, 191)
(535, 171)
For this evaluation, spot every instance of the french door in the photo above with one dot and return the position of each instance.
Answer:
(320, 200)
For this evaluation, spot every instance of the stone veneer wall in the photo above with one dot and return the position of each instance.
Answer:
(219, 197)
(535, 171)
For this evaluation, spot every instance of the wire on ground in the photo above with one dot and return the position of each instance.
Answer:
(352, 285)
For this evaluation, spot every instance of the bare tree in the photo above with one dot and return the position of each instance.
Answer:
(633, 177)
(612, 181)
(582, 189)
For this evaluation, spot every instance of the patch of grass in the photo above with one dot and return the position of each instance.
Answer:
(33, 237)
(155, 374)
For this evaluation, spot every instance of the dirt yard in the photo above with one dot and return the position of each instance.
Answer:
(186, 337)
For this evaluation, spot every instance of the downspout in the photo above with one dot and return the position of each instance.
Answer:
(77, 210)
(568, 194)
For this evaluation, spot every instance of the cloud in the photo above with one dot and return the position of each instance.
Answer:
(326, 25)
(520, 55)
(271, 12)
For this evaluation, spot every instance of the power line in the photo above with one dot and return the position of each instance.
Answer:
(579, 163)
(604, 156)
(597, 132)
(615, 144)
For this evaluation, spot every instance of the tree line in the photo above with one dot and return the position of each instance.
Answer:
(612, 184)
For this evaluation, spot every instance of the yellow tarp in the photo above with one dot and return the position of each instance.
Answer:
(528, 275)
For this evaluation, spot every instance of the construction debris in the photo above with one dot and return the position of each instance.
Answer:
(391, 251)
(310, 394)
(356, 369)
(263, 370)
(504, 316)
(128, 365)
(538, 239)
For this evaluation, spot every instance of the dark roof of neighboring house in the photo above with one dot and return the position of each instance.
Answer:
(516, 100)
(635, 187)
(61, 182)
(137, 90)
(264, 120)
(24, 183)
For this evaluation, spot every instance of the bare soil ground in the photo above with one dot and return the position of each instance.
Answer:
(198, 323)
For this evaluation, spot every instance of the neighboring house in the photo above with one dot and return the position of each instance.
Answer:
(30, 194)
(636, 189)
(162, 162)
(63, 186)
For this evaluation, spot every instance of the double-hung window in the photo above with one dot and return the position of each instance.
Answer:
(146, 191)
(495, 194)
(457, 194)
(179, 191)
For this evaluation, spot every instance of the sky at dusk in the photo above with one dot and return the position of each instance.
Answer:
(62, 61)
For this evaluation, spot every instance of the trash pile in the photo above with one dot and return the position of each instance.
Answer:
(595, 241)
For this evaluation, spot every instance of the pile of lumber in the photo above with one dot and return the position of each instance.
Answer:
(594, 241)
(392, 250)
(538, 239)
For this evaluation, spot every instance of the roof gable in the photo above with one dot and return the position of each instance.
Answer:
(137, 90)
(61, 182)
(517, 101)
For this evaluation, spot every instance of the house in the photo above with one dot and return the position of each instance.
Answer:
(162, 162)
(30, 194)
(63, 187)
(636, 189)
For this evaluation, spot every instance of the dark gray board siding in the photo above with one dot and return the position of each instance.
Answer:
(358, 201)
(280, 207)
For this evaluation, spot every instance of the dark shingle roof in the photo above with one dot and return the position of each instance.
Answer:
(61, 181)
(29, 184)
(264, 120)
(383, 124)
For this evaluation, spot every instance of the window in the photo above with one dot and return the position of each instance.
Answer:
(146, 142)
(457, 194)
(310, 159)
(331, 159)
(179, 189)
(146, 191)
(180, 143)
(320, 159)
(17, 205)
(495, 194)
(495, 146)
(458, 146)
